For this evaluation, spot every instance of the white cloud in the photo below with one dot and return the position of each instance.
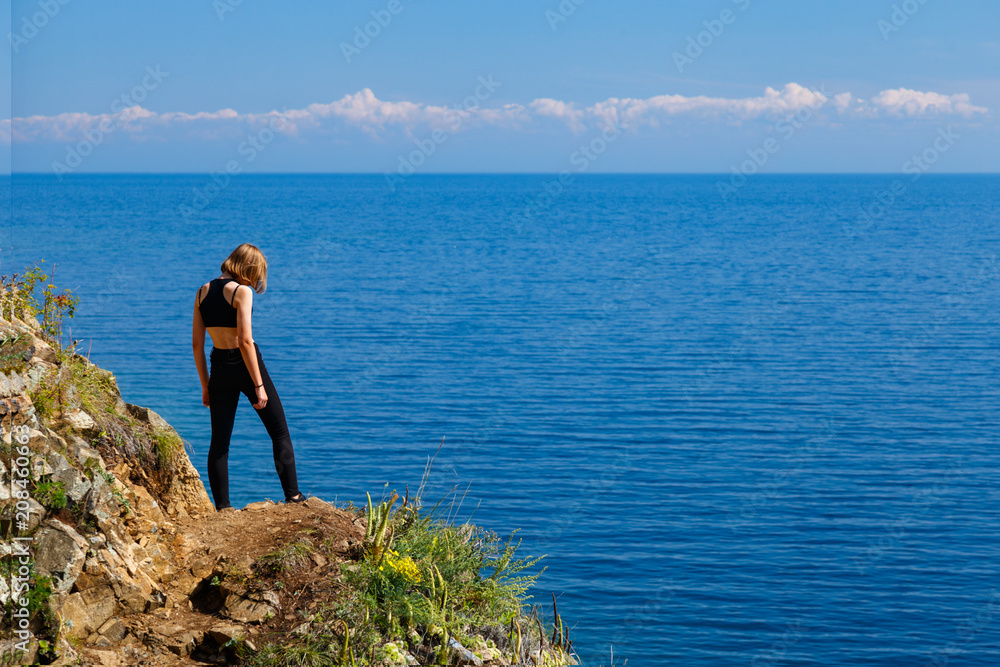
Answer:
(560, 110)
(364, 111)
(842, 102)
(904, 102)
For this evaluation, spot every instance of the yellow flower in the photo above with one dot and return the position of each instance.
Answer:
(406, 567)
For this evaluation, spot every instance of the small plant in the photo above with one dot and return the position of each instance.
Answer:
(424, 581)
(378, 532)
(167, 445)
(18, 298)
(287, 558)
(304, 652)
(51, 494)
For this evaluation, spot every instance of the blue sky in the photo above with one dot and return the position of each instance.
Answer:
(257, 85)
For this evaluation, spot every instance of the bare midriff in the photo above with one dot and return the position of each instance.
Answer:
(223, 338)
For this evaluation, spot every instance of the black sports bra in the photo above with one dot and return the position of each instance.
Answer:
(219, 312)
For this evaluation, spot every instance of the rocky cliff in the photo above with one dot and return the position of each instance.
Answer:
(114, 554)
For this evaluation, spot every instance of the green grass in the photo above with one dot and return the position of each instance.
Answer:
(46, 396)
(308, 652)
(51, 494)
(419, 581)
(168, 446)
(288, 558)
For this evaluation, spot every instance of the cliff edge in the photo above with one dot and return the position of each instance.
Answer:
(114, 555)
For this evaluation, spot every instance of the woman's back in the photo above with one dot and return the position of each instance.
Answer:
(217, 309)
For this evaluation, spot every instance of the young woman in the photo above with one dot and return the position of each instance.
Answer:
(223, 308)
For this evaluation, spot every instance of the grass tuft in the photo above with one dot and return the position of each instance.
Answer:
(289, 558)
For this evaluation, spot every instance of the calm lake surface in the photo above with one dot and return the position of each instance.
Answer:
(760, 430)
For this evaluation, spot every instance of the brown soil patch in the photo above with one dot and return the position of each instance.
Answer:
(235, 540)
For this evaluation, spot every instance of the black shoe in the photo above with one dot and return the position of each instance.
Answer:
(298, 498)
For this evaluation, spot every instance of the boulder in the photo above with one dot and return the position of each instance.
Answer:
(75, 482)
(187, 494)
(88, 610)
(40, 442)
(8, 648)
(251, 607)
(113, 630)
(80, 450)
(42, 351)
(81, 422)
(224, 632)
(144, 504)
(147, 415)
(87, 580)
(37, 374)
(100, 502)
(39, 466)
(187, 491)
(60, 553)
(464, 655)
(186, 642)
(261, 505)
(17, 384)
(178, 639)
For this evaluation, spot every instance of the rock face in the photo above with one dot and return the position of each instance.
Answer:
(113, 531)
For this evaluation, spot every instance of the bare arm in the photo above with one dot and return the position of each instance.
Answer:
(243, 302)
(198, 344)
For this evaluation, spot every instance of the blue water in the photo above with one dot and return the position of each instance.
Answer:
(754, 431)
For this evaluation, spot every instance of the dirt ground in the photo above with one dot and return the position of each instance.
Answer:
(235, 539)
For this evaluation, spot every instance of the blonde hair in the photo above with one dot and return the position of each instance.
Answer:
(248, 264)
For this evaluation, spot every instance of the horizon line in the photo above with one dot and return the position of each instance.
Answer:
(486, 173)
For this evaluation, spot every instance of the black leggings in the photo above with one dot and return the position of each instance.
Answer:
(228, 378)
